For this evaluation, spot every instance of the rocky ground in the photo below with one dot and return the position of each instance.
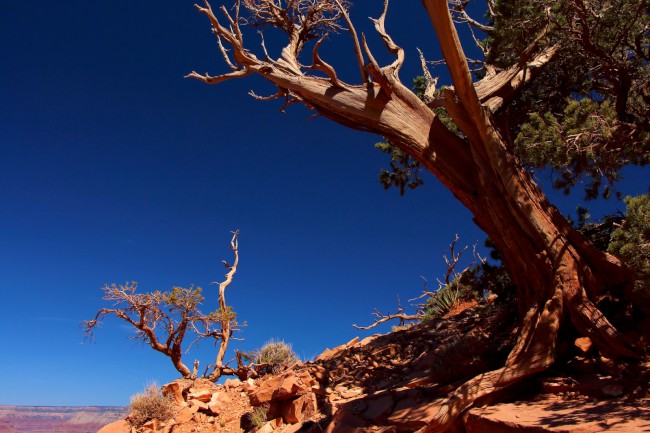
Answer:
(390, 383)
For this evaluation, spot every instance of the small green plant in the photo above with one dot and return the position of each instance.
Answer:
(441, 302)
(151, 404)
(258, 416)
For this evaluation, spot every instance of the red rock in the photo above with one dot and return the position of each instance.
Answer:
(173, 390)
(153, 425)
(582, 416)
(583, 344)
(282, 387)
(411, 414)
(232, 383)
(345, 422)
(121, 426)
(266, 428)
(184, 415)
(300, 409)
(378, 408)
(203, 395)
(218, 401)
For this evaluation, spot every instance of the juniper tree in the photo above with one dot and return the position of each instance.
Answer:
(542, 60)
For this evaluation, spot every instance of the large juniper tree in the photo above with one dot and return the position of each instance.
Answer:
(565, 83)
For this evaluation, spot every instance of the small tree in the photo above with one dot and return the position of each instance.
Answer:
(163, 319)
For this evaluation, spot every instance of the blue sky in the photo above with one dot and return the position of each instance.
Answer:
(114, 168)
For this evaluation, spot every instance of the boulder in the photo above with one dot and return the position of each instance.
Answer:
(300, 409)
(232, 383)
(185, 415)
(283, 387)
(219, 400)
(121, 426)
(555, 416)
(203, 395)
(583, 344)
(173, 391)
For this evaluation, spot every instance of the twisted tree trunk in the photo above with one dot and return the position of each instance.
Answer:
(554, 268)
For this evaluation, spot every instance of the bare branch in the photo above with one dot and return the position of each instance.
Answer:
(207, 79)
(383, 318)
(430, 87)
(321, 65)
(355, 40)
(459, 12)
(393, 48)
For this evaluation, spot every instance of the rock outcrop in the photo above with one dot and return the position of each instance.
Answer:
(391, 384)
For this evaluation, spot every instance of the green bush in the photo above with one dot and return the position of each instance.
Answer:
(151, 404)
(441, 303)
(259, 415)
(631, 243)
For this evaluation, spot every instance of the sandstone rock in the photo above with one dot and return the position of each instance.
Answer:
(219, 400)
(351, 393)
(185, 415)
(575, 416)
(300, 409)
(121, 426)
(378, 409)
(266, 428)
(282, 387)
(169, 426)
(152, 425)
(232, 383)
(583, 344)
(345, 422)
(411, 413)
(203, 395)
(329, 354)
(173, 390)
(198, 405)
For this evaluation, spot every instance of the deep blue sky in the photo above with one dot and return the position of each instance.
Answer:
(114, 168)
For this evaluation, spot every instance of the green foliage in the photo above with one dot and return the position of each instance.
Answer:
(275, 356)
(583, 141)
(465, 287)
(226, 315)
(440, 303)
(588, 113)
(631, 243)
(404, 170)
(149, 405)
(259, 415)
(181, 299)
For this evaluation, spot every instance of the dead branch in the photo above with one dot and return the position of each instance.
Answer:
(355, 39)
(391, 46)
(382, 318)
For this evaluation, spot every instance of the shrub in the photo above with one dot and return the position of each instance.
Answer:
(441, 303)
(631, 243)
(258, 416)
(276, 356)
(151, 404)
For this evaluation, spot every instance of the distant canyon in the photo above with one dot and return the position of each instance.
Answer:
(54, 419)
